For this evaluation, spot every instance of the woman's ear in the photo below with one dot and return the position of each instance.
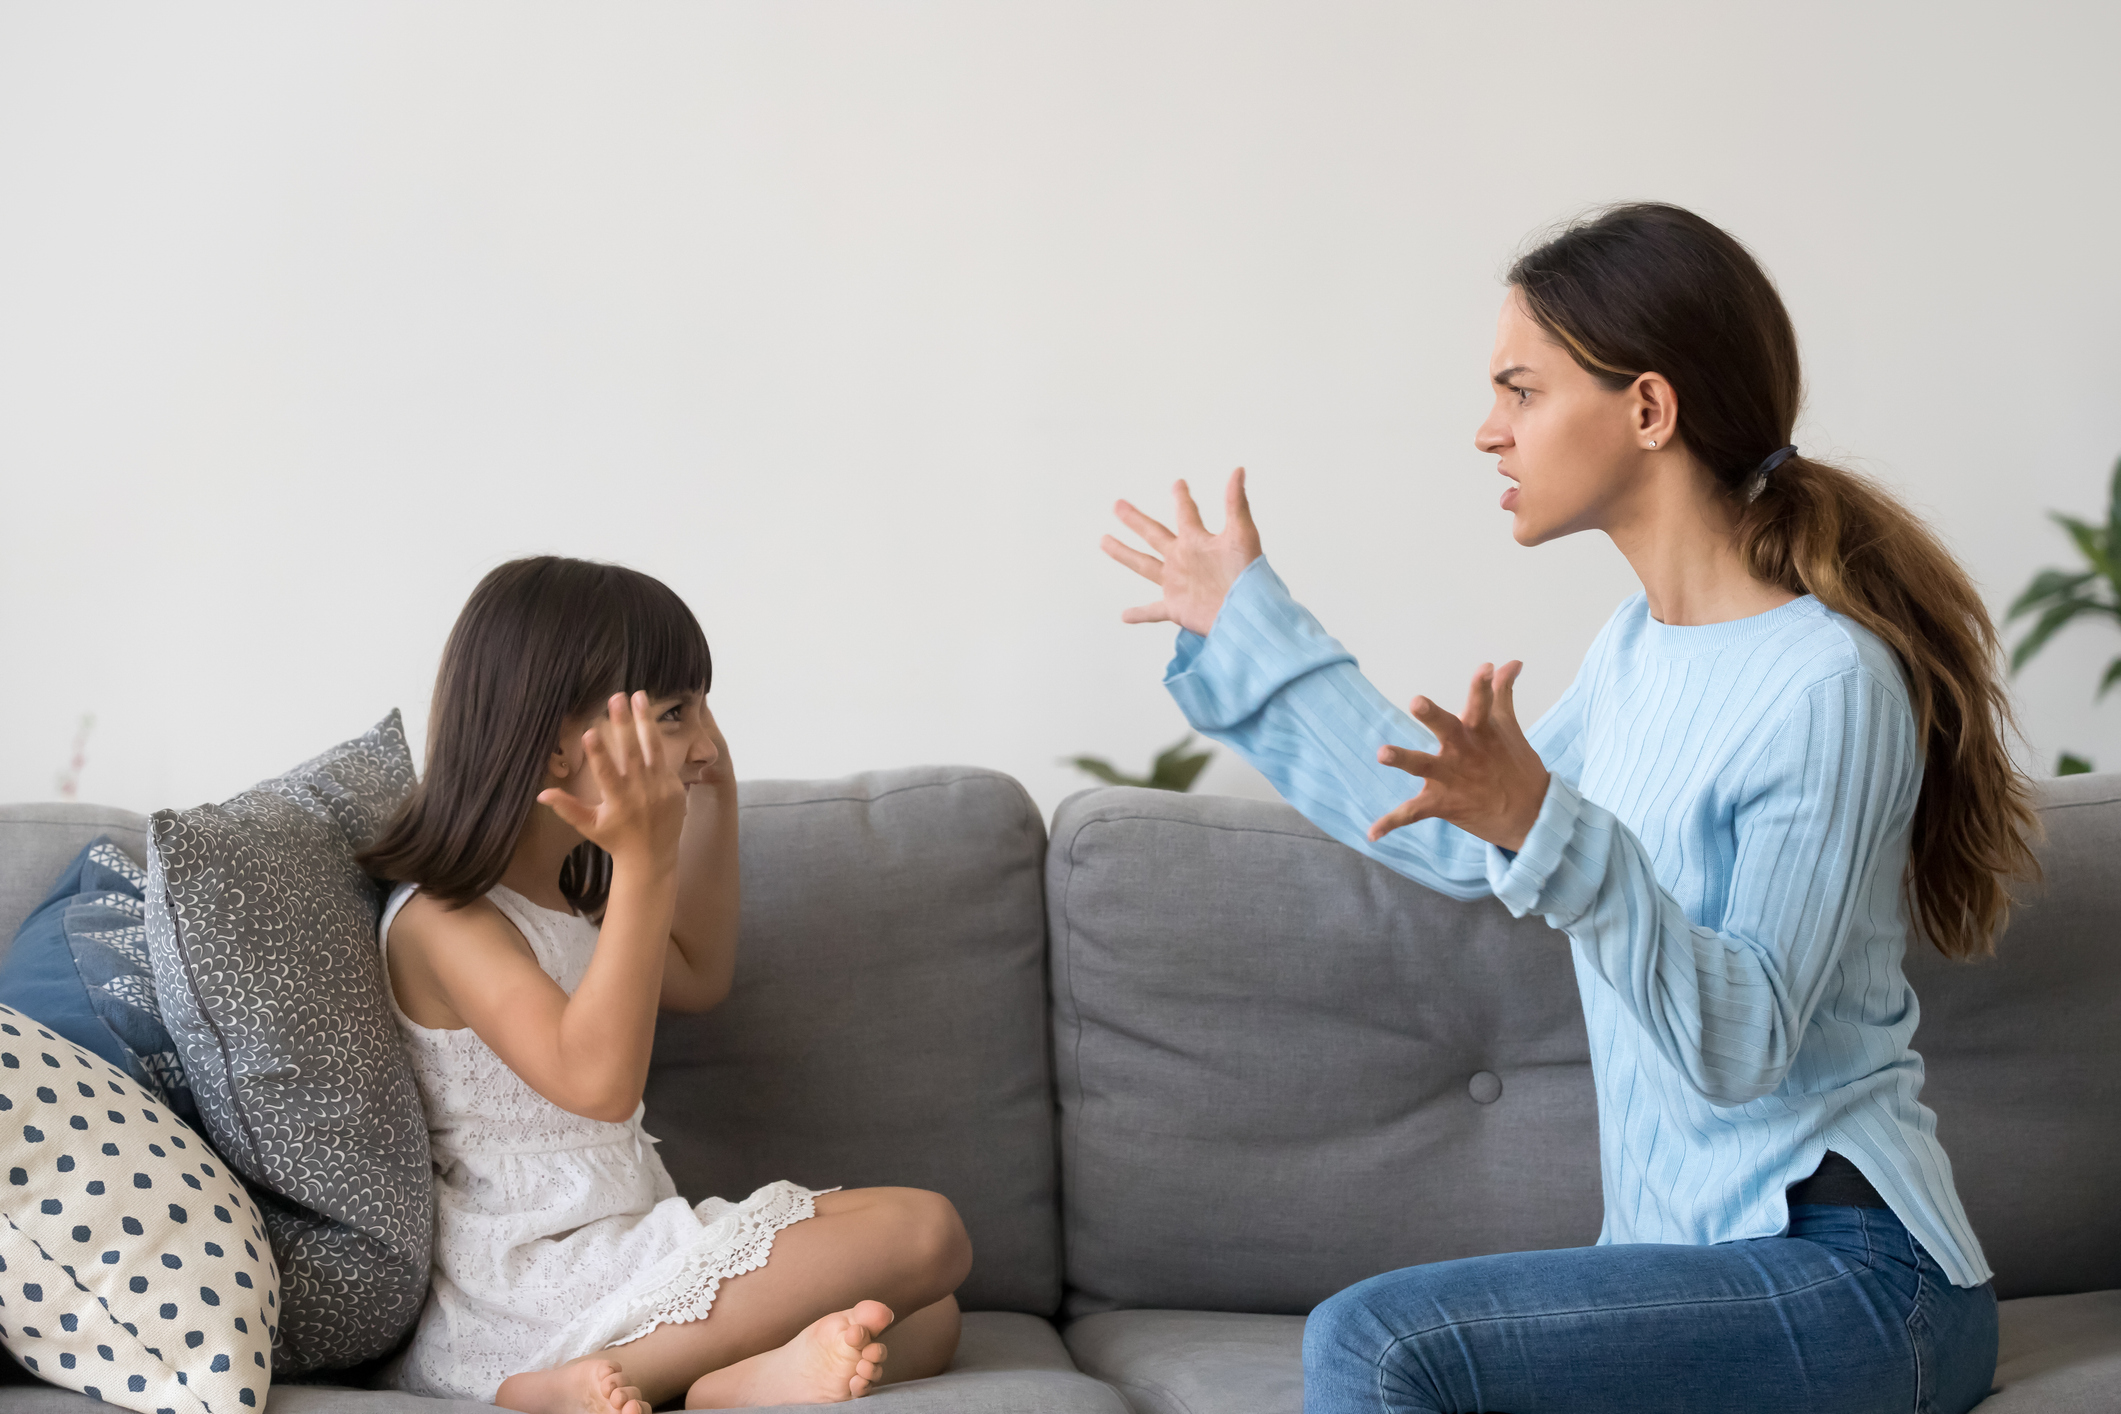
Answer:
(1655, 410)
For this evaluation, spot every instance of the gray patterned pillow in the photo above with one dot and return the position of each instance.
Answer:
(262, 933)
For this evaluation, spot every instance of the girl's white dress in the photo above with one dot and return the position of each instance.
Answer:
(555, 1236)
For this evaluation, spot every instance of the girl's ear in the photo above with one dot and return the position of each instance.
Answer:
(556, 764)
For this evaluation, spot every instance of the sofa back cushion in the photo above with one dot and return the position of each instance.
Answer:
(888, 1025)
(2023, 1053)
(1283, 1068)
(37, 842)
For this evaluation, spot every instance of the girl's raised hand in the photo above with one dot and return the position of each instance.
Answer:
(642, 807)
(1196, 569)
(1483, 777)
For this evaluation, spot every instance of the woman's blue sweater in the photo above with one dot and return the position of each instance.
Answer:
(1724, 842)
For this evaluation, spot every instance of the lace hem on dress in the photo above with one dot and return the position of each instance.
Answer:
(689, 1296)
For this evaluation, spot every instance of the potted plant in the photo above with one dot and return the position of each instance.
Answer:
(2061, 596)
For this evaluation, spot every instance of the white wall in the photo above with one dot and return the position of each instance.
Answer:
(850, 320)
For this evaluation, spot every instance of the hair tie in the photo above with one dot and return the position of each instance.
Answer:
(1759, 478)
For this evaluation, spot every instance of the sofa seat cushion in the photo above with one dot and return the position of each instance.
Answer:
(2060, 1355)
(1195, 1362)
(1007, 1363)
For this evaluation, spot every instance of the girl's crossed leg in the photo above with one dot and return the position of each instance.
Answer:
(1846, 1315)
(810, 1327)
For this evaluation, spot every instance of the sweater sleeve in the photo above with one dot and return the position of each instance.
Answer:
(1273, 686)
(1823, 809)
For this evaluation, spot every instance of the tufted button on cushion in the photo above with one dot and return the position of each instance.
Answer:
(1485, 1087)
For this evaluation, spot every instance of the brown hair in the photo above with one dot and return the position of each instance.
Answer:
(540, 641)
(1644, 287)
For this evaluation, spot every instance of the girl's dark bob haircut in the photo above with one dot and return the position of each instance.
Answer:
(541, 641)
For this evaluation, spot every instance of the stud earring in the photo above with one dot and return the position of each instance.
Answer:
(1653, 444)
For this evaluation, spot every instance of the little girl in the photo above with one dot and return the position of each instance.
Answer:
(570, 867)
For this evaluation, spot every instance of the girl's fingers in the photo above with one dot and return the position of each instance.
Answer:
(1147, 614)
(602, 768)
(1448, 729)
(1414, 763)
(645, 734)
(1147, 566)
(1155, 532)
(565, 806)
(1188, 513)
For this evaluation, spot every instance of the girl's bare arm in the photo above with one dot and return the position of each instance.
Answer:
(587, 1053)
(701, 965)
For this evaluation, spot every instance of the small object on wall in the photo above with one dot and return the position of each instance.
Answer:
(2061, 596)
(68, 779)
(1172, 769)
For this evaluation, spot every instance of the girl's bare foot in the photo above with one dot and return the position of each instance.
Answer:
(835, 1358)
(593, 1384)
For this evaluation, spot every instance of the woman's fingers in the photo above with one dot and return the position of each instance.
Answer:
(1188, 512)
(1448, 729)
(1146, 614)
(1506, 695)
(1155, 532)
(1147, 566)
(1237, 510)
(1414, 763)
(1399, 819)
(1479, 697)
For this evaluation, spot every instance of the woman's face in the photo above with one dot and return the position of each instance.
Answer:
(1571, 449)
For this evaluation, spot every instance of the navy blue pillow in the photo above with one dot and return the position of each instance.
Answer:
(79, 965)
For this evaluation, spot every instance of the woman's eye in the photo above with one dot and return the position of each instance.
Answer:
(1522, 394)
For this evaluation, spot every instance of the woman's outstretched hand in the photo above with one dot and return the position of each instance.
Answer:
(1197, 569)
(1483, 777)
(642, 809)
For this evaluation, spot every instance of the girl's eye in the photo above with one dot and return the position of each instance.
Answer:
(675, 714)
(1522, 394)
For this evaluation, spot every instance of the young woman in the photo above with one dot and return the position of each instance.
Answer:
(570, 867)
(1778, 763)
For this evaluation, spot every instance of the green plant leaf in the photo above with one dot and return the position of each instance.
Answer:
(2091, 541)
(1102, 769)
(1174, 770)
(2068, 765)
(2113, 532)
(2113, 675)
(2055, 617)
(2048, 584)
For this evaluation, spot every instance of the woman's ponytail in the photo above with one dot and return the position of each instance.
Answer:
(1820, 530)
(1651, 287)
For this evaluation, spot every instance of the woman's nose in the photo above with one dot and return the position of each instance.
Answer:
(1491, 436)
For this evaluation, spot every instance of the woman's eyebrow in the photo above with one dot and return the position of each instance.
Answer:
(1512, 371)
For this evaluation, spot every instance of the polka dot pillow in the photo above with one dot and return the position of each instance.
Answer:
(133, 1267)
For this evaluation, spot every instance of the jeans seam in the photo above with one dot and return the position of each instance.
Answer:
(1594, 1310)
(1914, 1345)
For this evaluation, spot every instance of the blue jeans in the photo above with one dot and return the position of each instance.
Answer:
(1845, 1315)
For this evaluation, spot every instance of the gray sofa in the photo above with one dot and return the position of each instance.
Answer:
(1187, 1067)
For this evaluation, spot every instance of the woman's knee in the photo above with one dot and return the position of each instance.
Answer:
(1354, 1354)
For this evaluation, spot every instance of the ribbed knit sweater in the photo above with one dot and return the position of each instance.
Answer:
(1723, 841)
